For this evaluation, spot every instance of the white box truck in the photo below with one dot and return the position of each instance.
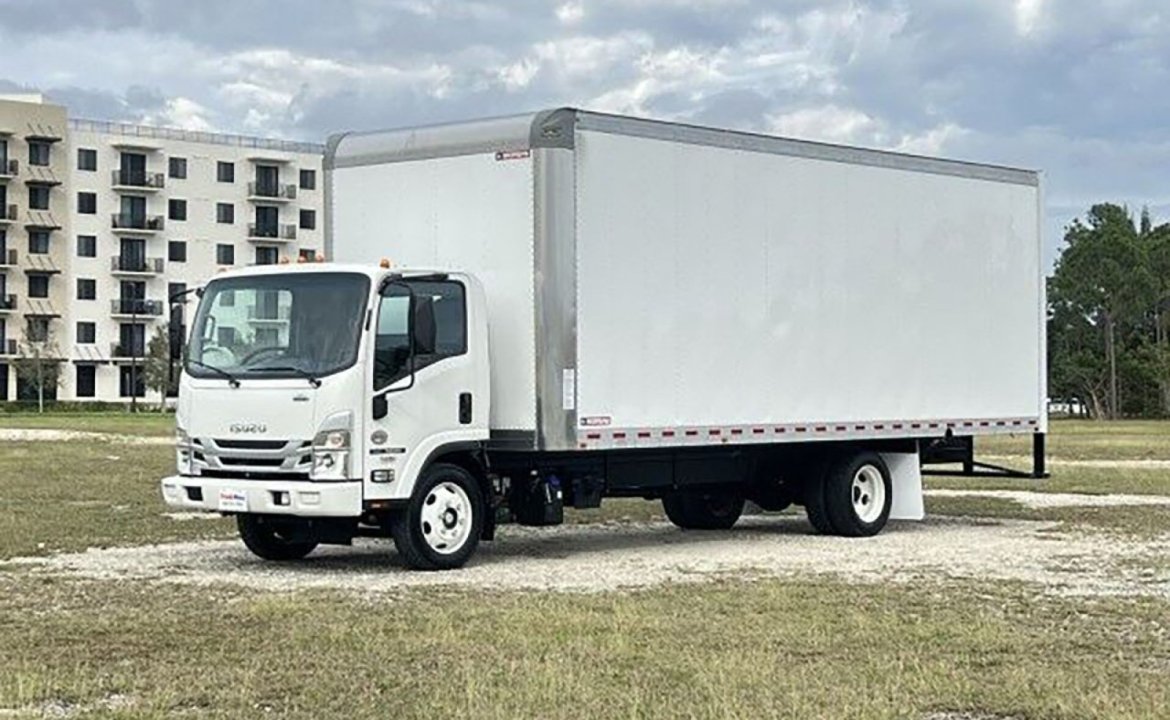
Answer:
(575, 306)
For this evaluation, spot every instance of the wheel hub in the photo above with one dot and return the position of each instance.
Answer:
(445, 519)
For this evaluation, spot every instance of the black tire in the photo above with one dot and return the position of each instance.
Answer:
(840, 493)
(814, 505)
(274, 539)
(703, 510)
(416, 540)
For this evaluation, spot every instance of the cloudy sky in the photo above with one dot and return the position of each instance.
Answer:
(1077, 88)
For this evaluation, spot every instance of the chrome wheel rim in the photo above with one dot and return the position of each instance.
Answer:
(445, 520)
(869, 493)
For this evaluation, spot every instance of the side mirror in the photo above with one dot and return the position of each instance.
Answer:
(381, 407)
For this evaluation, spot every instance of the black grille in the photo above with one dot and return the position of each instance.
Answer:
(252, 462)
(251, 444)
(254, 475)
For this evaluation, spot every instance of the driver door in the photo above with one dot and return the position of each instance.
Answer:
(423, 368)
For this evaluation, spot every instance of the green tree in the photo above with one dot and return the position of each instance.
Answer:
(156, 366)
(39, 361)
(1103, 276)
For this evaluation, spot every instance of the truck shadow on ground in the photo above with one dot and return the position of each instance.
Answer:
(515, 543)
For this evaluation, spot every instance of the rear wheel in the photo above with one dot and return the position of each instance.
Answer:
(441, 527)
(703, 510)
(275, 538)
(858, 494)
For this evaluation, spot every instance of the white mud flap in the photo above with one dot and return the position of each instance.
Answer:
(906, 477)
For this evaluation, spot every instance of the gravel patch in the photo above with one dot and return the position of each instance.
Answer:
(1043, 500)
(47, 435)
(597, 558)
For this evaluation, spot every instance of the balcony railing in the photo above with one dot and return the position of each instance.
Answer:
(125, 221)
(272, 231)
(9, 167)
(149, 266)
(8, 257)
(139, 179)
(7, 346)
(272, 191)
(136, 306)
(131, 350)
(273, 314)
(7, 302)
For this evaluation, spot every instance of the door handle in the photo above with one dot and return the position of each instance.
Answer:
(465, 408)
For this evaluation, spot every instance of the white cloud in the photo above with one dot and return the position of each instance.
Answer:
(182, 113)
(1028, 14)
(571, 13)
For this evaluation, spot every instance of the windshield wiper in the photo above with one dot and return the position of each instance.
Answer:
(232, 380)
(287, 368)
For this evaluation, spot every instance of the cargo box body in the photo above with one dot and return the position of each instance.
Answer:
(651, 284)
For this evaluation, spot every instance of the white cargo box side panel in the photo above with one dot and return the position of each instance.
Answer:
(720, 287)
(469, 212)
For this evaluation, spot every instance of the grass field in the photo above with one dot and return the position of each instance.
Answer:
(737, 647)
(152, 424)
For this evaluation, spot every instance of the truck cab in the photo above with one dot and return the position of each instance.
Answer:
(313, 396)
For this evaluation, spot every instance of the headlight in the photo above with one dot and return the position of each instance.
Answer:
(183, 451)
(330, 455)
(331, 440)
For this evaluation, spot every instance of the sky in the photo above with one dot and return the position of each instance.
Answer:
(1079, 89)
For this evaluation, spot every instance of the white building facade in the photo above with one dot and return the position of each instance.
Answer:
(143, 214)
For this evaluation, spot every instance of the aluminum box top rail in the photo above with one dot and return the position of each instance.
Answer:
(557, 128)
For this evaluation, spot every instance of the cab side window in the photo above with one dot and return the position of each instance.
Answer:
(439, 328)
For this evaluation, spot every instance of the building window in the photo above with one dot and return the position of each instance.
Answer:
(38, 329)
(87, 203)
(176, 209)
(86, 246)
(307, 254)
(86, 289)
(177, 168)
(225, 213)
(130, 381)
(38, 197)
(38, 286)
(227, 298)
(225, 254)
(308, 219)
(86, 333)
(38, 242)
(308, 179)
(86, 381)
(225, 171)
(38, 153)
(177, 251)
(267, 256)
(86, 159)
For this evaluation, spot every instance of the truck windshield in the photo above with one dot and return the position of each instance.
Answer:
(297, 324)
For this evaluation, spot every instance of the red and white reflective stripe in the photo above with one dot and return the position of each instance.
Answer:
(768, 433)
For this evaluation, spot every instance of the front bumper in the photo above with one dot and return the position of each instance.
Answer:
(273, 497)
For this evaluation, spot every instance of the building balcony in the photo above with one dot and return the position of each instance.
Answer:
(127, 353)
(7, 303)
(280, 314)
(275, 232)
(267, 192)
(136, 224)
(135, 265)
(136, 307)
(9, 169)
(8, 214)
(8, 347)
(8, 258)
(138, 181)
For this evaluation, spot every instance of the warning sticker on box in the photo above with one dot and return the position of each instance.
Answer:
(596, 421)
(233, 501)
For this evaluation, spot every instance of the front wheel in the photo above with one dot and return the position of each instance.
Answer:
(703, 510)
(274, 539)
(441, 527)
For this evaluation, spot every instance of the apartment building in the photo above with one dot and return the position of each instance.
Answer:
(135, 216)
